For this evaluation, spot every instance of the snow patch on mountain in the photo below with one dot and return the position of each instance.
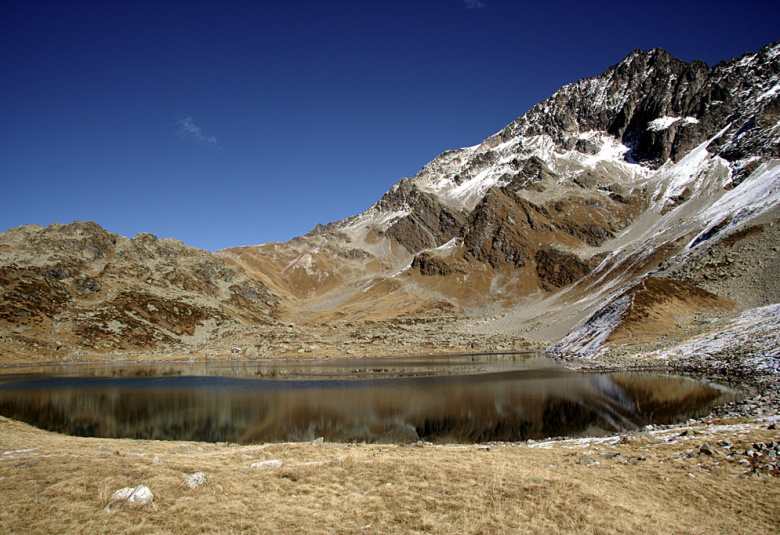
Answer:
(462, 186)
(304, 262)
(757, 329)
(588, 340)
(757, 194)
(469, 193)
(671, 180)
(611, 159)
(662, 123)
(449, 246)
(375, 218)
(772, 91)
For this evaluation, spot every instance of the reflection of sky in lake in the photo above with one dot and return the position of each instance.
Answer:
(463, 398)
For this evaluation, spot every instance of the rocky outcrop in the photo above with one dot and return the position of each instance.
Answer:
(531, 174)
(432, 266)
(428, 223)
(507, 229)
(557, 268)
(498, 230)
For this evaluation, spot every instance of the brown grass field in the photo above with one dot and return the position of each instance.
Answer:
(660, 483)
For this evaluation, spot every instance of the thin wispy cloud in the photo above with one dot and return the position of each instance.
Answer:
(474, 4)
(187, 129)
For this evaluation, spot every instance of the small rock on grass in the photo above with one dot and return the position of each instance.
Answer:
(196, 480)
(706, 449)
(122, 494)
(270, 465)
(617, 457)
(140, 495)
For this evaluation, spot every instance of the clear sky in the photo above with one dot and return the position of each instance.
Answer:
(228, 123)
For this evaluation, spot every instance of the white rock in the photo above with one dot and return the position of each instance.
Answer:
(141, 495)
(122, 494)
(196, 480)
(267, 464)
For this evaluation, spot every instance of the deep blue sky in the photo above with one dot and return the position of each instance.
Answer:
(236, 123)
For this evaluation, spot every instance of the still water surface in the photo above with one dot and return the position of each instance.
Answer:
(460, 398)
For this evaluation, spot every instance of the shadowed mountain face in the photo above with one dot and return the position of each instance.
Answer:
(656, 168)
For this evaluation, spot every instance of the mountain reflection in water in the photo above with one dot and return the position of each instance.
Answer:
(462, 398)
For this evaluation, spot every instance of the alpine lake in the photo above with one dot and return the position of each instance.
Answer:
(439, 398)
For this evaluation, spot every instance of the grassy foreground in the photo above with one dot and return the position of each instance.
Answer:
(659, 483)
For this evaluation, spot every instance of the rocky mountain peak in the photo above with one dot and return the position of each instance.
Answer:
(659, 106)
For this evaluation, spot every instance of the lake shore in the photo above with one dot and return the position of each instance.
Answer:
(716, 474)
(760, 387)
(713, 475)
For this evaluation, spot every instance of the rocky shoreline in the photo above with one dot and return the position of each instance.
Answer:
(761, 388)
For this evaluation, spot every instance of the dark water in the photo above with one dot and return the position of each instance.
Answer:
(472, 398)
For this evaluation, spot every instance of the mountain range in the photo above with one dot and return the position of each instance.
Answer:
(633, 216)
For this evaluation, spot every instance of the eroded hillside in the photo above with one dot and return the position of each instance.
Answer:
(76, 289)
